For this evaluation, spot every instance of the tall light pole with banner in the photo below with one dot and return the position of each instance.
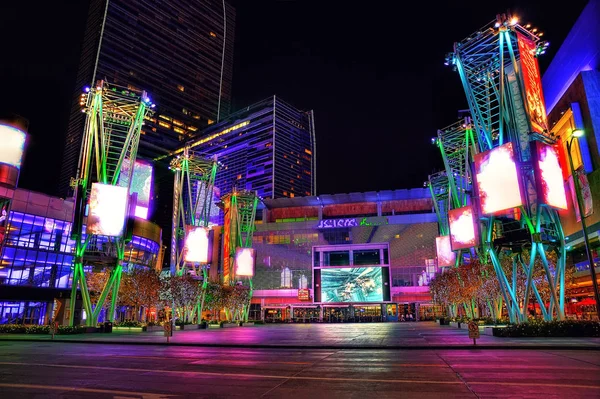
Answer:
(579, 133)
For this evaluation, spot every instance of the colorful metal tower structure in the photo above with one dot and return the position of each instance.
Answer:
(114, 119)
(192, 201)
(498, 69)
(238, 228)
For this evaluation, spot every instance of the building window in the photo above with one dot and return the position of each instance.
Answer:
(286, 278)
(212, 34)
(164, 124)
(180, 88)
(336, 258)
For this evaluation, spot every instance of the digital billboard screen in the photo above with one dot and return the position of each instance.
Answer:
(141, 183)
(445, 255)
(107, 211)
(12, 143)
(549, 176)
(497, 180)
(244, 262)
(463, 232)
(358, 284)
(197, 245)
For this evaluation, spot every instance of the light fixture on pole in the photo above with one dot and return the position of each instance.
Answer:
(579, 133)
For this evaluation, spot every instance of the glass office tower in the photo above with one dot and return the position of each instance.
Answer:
(179, 52)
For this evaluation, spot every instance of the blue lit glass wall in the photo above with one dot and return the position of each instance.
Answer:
(38, 251)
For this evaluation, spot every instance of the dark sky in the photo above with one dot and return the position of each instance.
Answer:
(372, 71)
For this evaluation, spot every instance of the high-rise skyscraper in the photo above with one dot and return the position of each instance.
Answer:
(268, 147)
(179, 51)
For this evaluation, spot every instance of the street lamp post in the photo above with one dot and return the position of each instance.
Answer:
(579, 133)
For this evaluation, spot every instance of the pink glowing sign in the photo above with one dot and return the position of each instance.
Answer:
(108, 208)
(463, 233)
(497, 180)
(197, 245)
(12, 144)
(244, 262)
(549, 176)
(445, 255)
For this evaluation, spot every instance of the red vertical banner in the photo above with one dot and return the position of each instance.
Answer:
(227, 240)
(533, 85)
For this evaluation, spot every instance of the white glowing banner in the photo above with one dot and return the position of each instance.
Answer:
(12, 143)
(197, 245)
(244, 262)
(108, 209)
(463, 232)
(549, 177)
(445, 255)
(497, 180)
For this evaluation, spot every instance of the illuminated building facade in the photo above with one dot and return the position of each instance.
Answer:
(359, 256)
(572, 87)
(180, 52)
(268, 147)
(37, 257)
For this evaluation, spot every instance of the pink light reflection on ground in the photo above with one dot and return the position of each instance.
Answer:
(552, 181)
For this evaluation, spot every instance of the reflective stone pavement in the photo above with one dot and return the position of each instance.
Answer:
(77, 370)
(407, 335)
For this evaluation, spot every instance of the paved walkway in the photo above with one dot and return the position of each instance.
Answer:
(421, 335)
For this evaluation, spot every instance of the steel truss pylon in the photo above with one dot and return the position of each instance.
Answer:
(114, 119)
(193, 189)
(490, 68)
(239, 208)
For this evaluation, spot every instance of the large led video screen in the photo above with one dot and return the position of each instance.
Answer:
(497, 180)
(141, 183)
(245, 262)
(463, 232)
(107, 211)
(549, 176)
(12, 143)
(197, 245)
(359, 284)
(445, 255)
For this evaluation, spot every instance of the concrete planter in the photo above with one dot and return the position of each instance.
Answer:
(246, 324)
(455, 324)
(228, 325)
(214, 326)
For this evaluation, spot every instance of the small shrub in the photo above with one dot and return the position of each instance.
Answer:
(38, 329)
(555, 328)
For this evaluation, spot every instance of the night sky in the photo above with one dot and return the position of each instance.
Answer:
(372, 72)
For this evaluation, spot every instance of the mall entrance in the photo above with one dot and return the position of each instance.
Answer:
(352, 313)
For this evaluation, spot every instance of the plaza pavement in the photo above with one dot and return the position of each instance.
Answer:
(415, 335)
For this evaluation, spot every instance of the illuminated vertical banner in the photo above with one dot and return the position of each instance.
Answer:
(227, 240)
(12, 144)
(108, 209)
(549, 176)
(533, 84)
(244, 262)
(497, 180)
(445, 255)
(463, 231)
(586, 194)
(141, 183)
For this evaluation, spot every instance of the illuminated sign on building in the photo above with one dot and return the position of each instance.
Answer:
(533, 84)
(549, 176)
(244, 262)
(13, 143)
(463, 232)
(445, 255)
(351, 222)
(197, 245)
(108, 209)
(497, 180)
(303, 294)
